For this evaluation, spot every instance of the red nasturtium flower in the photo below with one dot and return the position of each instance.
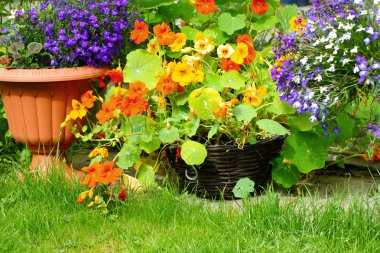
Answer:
(227, 64)
(140, 32)
(259, 7)
(122, 195)
(116, 75)
(205, 6)
(164, 34)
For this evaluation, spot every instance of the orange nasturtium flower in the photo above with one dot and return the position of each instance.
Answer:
(205, 6)
(78, 111)
(223, 107)
(108, 174)
(297, 24)
(259, 7)
(88, 99)
(91, 178)
(164, 34)
(241, 52)
(166, 85)
(102, 151)
(106, 113)
(140, 32)
(246, 39)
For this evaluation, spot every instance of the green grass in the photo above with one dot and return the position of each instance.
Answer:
(42, 216)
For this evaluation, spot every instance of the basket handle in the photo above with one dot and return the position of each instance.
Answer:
(194, 177)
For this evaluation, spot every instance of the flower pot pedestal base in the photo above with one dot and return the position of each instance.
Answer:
(45, 164)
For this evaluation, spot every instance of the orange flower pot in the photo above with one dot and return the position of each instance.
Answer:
(36, 102)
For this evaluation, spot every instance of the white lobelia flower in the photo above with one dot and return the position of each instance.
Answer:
(318, 78)
(330, 59)
(376, 1)
(363, 12)
(296, 79)
(329, 46)
(369, 30)
(350, 17)
(319, 58)
(304, 60)
(358, 1)
(356, 69)
(360, 28)
(346, 36)
(332, 34)
(345, 61)
(336, 48)
(332, 68)
(323, 89)
(354, 50)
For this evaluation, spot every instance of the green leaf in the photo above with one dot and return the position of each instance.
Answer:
(302, 122)
(279, 107)
(232, 79)
(34, 47)
(217, 35)
(214, 129)
(193, 153)
(146, 175)
(243, 188)
(149, 4)
(143, 66)
(265, 24)
(306, 150)
(284, 174)
(272, 127)
(230, 24)
(168, 135)
(190, 32)
(346, 124)
(204, 101)
(244, 112)
(152, 145)
(284, 15)
(128, 155)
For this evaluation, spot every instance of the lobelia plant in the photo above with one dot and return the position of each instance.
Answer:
(65, 33)
(199, 77)
(328, 69)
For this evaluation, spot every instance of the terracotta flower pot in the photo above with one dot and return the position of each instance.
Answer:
(36, 102)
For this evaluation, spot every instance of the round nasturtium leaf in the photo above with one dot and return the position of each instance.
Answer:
(204, 101)
(193, 153)
(143, 66)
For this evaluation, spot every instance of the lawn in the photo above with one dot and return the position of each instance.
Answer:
(42, 216)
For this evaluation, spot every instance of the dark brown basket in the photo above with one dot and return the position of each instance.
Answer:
(225, 165)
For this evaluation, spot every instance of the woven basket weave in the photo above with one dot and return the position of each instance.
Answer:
(225, 165)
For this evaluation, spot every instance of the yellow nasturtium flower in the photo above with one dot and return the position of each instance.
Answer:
(182, 74)
(78, 111)
(102, 151)
(241, 52)
(179, 42)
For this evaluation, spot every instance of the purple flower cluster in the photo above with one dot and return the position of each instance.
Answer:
(77, 33)
(333, 63)
(375, 130)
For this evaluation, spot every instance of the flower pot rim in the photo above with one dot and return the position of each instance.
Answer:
(50, 75)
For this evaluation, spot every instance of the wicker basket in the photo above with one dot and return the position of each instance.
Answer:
(225, 165)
